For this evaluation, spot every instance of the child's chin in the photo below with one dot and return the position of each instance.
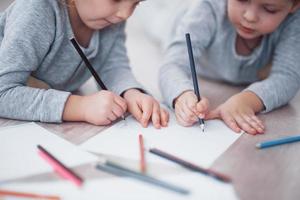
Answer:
(248, 36)
(99, 26)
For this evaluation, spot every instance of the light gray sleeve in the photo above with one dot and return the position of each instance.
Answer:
(28, 34)
(116, 72)
(174, 76)
(284, 80)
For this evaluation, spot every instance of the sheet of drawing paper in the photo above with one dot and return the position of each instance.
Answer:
(188, 143)
(19, 155)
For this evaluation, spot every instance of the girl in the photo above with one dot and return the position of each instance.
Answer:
(234, 40)
(35, 41)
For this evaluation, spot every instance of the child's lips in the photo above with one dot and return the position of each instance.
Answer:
(246, 30)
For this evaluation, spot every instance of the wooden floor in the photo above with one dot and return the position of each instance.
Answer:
(257, 174)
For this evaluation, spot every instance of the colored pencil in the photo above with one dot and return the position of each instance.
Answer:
(9, 193)
(118, 170)
(89, 66)
(142, 154)
(59, 167)
(194, 74)
(190, 165)
(280, 141)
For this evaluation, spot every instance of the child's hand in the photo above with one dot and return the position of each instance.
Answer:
(188, 109)
(238, 112)
(103, 107)
(143, 107)
(100, 108)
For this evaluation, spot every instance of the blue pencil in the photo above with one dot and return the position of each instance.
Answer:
(122, 171)
(279, 141)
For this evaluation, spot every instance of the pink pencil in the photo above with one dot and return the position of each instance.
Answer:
(60, 168)
(142, 154)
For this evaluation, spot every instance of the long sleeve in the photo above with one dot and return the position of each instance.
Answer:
(116, 72)
(174, 75)
(284, 80)
(27, 38)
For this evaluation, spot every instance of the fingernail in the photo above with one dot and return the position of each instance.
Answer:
(261, 131)
(146, 124)
(201, 116)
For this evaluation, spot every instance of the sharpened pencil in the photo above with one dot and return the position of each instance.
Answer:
(194, 74)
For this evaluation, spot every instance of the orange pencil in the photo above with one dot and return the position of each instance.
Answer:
(7, 193)
(142, 154)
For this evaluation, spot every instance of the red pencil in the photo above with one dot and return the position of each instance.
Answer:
(142, 154)
(7, 193)
(60, 168)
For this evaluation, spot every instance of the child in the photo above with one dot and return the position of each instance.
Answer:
(233, 41)
(35, 41)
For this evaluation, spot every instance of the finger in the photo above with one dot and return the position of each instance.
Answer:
(180, 114)
(258, 121)
(102, 122)
(190, 115)
(243, 124)
(136, 111)
(202, 107)
(181, 120)
(231, 123)
(185, 120)
(106, 122)
(117, 110)
(121, 102)
(112, 116)
(156, 116)
(253, 123)
(147, 107)
(164, 117)
(191, 104)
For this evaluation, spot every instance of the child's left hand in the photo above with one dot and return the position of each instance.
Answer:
(238, 113)
(145, 108)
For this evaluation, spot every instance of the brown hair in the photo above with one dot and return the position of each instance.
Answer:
(64, 3)
(296, 1)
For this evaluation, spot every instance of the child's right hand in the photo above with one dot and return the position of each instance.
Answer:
(188, 109)
(100, 108)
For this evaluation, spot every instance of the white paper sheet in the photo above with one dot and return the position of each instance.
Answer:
(188, 143)
(200, 187)
(19, 156)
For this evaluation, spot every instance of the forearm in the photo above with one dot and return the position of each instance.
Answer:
(25, 103)
(73, 110)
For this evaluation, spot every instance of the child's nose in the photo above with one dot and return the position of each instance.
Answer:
(250, 15)
(124, 13)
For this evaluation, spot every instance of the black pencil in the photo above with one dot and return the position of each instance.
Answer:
(190, 166)
(194, 74)
(89, 66)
